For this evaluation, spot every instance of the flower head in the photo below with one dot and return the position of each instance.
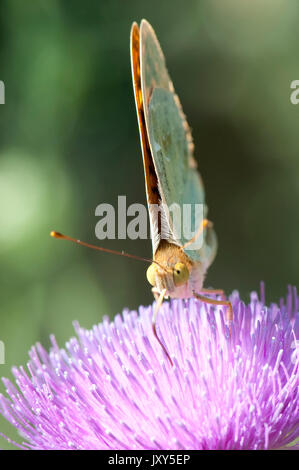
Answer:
(113, 388)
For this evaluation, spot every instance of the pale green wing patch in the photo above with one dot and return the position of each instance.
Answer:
(170, 149)
(179, 183)
(152, 64)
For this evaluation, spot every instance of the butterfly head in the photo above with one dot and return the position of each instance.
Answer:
(170, 270)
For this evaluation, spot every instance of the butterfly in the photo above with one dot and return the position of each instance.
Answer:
(171, 177)
(178, 266)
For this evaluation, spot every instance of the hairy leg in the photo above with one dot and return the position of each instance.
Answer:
(207, 300)
(213, 291)
(205, 223)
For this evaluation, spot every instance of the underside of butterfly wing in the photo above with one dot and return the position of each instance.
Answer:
(170, 169)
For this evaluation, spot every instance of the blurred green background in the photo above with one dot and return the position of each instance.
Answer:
(69, 141)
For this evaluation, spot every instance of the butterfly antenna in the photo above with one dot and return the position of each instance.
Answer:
(99, 248)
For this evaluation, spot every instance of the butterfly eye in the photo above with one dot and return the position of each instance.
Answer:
(151, 274)
(180, 274)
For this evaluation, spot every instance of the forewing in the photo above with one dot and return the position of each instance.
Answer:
(170, 142)
(151, 181)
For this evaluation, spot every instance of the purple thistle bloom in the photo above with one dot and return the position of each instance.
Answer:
(113, 388)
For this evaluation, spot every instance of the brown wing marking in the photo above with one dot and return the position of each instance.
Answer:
(151, 180)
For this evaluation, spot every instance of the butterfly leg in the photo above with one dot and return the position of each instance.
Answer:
(159, 297)
(213, 291)
(205, 223)
(226, 303)
(229, 311)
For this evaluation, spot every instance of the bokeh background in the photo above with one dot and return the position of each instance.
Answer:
(69, 141)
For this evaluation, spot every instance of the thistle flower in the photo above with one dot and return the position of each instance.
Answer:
(113, 388)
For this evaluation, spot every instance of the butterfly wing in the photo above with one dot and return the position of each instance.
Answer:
(151, 180)
(170, 147)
